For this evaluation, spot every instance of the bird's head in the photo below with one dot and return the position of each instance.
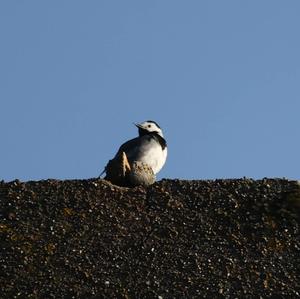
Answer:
(149, 126)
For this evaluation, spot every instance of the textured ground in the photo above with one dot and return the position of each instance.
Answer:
(174, 239)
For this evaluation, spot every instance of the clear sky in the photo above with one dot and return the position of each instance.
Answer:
(222, 78)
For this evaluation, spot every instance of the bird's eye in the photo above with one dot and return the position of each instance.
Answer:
(149, 126)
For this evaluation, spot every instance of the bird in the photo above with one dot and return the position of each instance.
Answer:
(150, 147)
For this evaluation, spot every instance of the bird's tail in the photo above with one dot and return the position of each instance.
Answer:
(104, 170)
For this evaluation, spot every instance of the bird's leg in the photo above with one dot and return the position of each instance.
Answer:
(125, 164)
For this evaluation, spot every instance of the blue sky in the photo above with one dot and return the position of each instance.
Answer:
(222, 78)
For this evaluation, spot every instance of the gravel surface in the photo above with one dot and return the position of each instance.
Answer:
(174, 239)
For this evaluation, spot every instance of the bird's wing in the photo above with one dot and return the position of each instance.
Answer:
(132, 147)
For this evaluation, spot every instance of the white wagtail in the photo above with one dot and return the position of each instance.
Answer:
(149, 147)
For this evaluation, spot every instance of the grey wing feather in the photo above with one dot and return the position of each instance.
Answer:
(132, 148)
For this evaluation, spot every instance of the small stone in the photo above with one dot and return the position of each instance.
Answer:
(141, 174)
(120, 172)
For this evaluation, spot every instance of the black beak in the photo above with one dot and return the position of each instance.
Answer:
(138, 126)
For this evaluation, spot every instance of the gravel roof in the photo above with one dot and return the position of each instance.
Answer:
(174, 239)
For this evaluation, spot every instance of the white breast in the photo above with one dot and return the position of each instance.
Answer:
(155, 157)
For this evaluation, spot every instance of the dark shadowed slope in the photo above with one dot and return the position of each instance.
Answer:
(174, 239)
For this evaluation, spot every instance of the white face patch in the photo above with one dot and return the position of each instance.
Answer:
(151, 127)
